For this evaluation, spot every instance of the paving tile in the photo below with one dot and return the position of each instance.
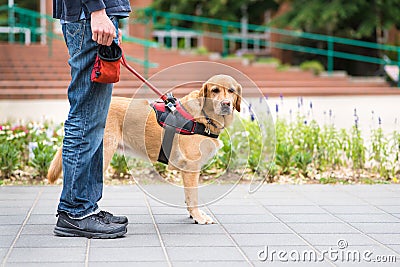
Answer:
(133, 254)
(237, 210)
(196, 240)
(390, 208)
(204, 253)
(235, 201)
(395, 248)
(245, 218)
(49, 241)
(166, 218)
(138, 218)
(294, 201)
(16, 196)
(169, 210)
(32, 254)
(322, 228)
(38, 229)
(6, 240)
(210, 263)
(11, 219)
(46, 264)
(295, 209)
(131, 239)
(190, 229)
(14, 211)
(11, 229)
(23, 203)
(42, 219)
(307, 218)
(387, 239)
(258, 228)
(278, 194)
(141, 228)
(128, 264)
(370, 218)
(20, 189)
(3, 252)
(350, 209)
(373, 228)
(335, 200)
(267, 239)
(330, 239)
(384, 201)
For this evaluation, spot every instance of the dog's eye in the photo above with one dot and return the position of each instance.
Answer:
(231, 90)
(215, 90)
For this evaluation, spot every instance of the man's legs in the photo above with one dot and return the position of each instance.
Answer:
(84, 128)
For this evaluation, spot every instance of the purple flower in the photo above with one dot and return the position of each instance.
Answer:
(310, 104)
(277, 108)
(379, 120)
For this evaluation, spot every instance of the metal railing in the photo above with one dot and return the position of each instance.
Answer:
(222, 30)
(21, 20)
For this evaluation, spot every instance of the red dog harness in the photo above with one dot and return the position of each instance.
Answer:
(174, 122)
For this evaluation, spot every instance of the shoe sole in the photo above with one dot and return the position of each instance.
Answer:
(67, 232)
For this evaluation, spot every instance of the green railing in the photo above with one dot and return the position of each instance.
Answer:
(223, 30)
(29, 19)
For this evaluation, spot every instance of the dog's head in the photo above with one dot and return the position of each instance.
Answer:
(224, 93)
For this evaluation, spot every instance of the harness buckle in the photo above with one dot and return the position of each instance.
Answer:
(170, 102)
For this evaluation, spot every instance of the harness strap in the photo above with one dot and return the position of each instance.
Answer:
(166, 146)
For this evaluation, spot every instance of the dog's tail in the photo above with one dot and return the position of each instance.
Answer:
(55, 168)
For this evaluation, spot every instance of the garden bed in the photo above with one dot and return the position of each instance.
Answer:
(296, 150)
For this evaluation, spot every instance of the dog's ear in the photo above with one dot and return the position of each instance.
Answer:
(203, 94)
(238, 97)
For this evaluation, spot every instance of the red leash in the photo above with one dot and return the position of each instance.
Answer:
(137, 74)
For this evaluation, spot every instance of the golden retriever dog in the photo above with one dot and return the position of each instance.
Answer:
(132, 124)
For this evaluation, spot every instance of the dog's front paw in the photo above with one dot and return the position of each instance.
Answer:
(201, 217)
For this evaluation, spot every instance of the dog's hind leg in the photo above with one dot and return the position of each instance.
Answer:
(190, 182)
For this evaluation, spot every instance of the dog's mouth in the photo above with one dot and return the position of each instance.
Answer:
(223, 110)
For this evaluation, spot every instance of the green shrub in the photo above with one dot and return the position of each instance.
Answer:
(313, 65)
(202, 50)
(9, 159)
(42, 157)
(118, 163)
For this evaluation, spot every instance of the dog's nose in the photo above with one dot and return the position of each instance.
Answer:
(226, 103)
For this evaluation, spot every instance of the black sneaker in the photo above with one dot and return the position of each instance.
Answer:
(93, 226)
(112, 218)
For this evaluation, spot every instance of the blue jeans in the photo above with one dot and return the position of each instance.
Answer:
(82, 151)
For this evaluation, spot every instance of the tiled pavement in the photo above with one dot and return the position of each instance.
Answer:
(290, 224)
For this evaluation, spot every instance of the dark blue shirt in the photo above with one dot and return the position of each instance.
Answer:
(71, 10)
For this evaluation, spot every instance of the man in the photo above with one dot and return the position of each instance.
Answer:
(86, 24)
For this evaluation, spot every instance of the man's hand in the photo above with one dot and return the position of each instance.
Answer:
(119, 36)
(103, 30)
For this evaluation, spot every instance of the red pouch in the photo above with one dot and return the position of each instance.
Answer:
(106, 67)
